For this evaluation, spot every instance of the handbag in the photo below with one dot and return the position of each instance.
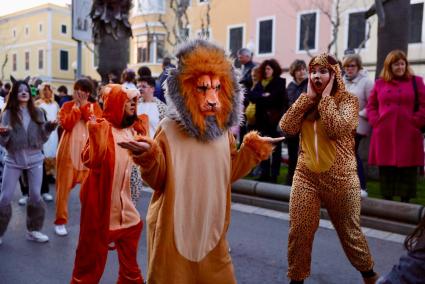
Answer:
(416, 104)
(136, 184)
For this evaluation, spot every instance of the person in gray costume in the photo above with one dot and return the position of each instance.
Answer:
(23, 131)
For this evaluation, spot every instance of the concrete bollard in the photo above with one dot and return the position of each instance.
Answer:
(372, 207)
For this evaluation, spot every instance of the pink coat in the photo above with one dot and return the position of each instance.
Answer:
(396, 136)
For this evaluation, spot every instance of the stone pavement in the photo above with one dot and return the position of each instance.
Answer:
(258, 238)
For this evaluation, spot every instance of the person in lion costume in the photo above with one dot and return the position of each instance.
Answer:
(191, 163)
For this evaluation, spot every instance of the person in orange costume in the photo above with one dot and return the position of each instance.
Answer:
(108, 214)
(70, 170)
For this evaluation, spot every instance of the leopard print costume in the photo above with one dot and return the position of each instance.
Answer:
(325, 174)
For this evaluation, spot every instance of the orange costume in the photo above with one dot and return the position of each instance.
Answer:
(70, 169)
(107, 212)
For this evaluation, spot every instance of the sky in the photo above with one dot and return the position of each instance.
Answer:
(17, 5)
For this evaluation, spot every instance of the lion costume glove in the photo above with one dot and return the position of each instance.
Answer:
(191, 164)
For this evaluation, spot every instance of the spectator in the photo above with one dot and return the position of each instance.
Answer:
(245, 58)
(159, 91)
(396, 117)
(411, 267)
(144, 71)
(269, 95)
(128, 79)
(63, 95)
(5, 90)
(153, 107)
(298, 71)
(357, 82)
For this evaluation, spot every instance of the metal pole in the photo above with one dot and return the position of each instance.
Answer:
(79, 58)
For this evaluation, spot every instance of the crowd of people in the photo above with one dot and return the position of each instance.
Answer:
(324, 113)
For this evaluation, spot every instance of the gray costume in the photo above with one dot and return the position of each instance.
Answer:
(23, 144)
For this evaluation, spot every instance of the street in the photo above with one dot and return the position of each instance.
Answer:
(259, 248)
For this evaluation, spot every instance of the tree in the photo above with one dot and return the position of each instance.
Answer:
(111, 34)
(177, 22)
(393, 27)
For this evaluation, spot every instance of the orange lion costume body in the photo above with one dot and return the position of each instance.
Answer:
(70, 169)
(108, 214)
(191, 164)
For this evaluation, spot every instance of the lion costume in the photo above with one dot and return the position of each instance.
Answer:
(326, 173)
(191, 164)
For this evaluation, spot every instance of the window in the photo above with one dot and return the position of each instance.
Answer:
(416, 20)
(14, 33)
(40, 59)
(307, 31)
(150, 48)
(40, 28)
(14, 62)
(265, 36)
(27, 60)
(235, 40)
(356, 30)
(151, 6)
(63, 29)
(27, 31)
(64, 60)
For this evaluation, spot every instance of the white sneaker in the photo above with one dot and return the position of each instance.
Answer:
(37, 236)
(61, 230)
(23, 200)
(47, 197)
(363, 193)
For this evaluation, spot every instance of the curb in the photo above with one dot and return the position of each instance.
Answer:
(385, 215)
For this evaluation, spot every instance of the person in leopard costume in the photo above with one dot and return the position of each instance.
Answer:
(326, 118)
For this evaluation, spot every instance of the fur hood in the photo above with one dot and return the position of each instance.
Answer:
(177, 103)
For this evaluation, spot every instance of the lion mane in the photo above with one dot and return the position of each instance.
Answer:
(197, 58)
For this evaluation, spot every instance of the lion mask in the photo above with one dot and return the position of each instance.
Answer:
(203, 94)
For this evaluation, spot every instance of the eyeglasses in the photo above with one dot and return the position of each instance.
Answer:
(350, 66)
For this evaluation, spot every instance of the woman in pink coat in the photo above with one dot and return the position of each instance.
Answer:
(396, 117)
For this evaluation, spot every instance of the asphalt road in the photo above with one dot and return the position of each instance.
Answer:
(259, 248)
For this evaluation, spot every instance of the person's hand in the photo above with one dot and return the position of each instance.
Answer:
(272, 140)
(327, 91)
(51, 125)
(83, 98)
(137, 147)
(310, 90)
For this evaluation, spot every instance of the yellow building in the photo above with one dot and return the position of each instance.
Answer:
(37, 42)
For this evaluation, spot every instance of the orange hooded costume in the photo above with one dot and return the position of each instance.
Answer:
(107, 213)
(69, 167)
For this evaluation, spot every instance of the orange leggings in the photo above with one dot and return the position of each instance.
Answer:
(126, 243)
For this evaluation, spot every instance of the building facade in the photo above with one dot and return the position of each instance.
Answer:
(37, 42)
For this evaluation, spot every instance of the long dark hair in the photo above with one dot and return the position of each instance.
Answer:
(12, 103)
(412, 240)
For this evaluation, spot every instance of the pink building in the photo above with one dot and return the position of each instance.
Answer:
(286, 29)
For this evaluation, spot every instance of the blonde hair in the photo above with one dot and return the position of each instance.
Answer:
(392, 57)
(353, 58)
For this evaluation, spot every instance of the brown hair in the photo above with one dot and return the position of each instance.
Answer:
(277, 70)
(412, 240)
(392, 57)
(12, 104)
(297, 65)
(353, 58)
